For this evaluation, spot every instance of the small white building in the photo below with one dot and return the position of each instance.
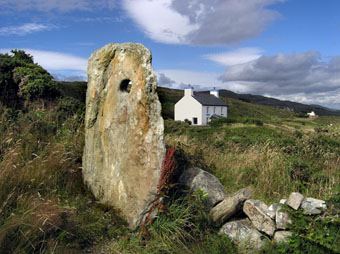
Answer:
(312, 115)
(199, 109)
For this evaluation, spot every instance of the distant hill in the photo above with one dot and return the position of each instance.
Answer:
(169, 97)
(272, 102)
(287, 105)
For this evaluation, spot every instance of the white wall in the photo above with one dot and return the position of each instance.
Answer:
(188, 108)
(210, 110)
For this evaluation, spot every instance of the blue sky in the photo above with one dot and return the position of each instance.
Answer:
(287, 49)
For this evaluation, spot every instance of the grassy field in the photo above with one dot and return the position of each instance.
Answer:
(45, 208)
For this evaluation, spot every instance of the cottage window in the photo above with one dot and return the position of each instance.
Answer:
(221, 110)
(194, 120)
(214, 109)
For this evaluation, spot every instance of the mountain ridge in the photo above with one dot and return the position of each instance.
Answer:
(282, 104)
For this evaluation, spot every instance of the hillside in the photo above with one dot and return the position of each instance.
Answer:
(171, 96)
(266, 101)
(46, 208)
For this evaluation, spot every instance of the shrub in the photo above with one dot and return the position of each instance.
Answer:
(171, 126)
(22, 79)
(253, 121)
(221, 121)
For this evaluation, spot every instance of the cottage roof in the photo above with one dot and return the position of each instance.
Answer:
(209, 100)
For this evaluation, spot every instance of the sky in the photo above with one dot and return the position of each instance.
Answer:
(286, 49)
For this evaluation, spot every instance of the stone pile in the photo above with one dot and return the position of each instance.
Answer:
(255, 221)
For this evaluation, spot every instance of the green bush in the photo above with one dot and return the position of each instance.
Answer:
(171, 126)
(221, 121)
(22, 79)
(34, 83)
(311, 234)
(227, 120)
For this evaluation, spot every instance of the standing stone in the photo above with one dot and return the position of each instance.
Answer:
(229, 206)
(257, 210)
(294, 200)
(124, 143)
(196, 178)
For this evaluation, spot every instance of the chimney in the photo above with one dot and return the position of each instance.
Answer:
(215, 92)
(188, 91)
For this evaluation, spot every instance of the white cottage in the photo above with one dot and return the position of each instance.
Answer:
(200, 108)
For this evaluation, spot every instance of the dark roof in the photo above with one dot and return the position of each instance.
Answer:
(209, 100)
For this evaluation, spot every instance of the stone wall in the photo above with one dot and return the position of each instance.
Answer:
(246, 221)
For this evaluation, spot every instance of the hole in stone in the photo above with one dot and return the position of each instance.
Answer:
(125, 85)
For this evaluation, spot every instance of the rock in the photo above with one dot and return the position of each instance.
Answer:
(282, 219)
(124, 141)
(312, 206)
(257, 210)
(283, 201)
(244, 233)
(294, 200)
(272, 210)
(282, 236)
(229, 206)
(196, 178)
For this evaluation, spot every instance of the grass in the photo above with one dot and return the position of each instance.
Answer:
(45, 207)
(273, 161)
(183, 228)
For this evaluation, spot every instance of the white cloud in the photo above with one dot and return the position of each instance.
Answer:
(160, 22)
(201, 22)
(302, 77)
(163, 80)
(199, 80)
(55, 61)
(24, 29)
(327, 99)
(59, 5)
(70, 76)
(238, 56)
(101, 19)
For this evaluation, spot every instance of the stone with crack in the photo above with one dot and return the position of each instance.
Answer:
(257, 211)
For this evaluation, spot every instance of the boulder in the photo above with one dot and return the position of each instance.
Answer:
(124, 141)
(272, 210)
(312, 206)
(243, 233)
(196, 178)
(294, 200)
(257, 210)
(282, 236)
(282, 218)
(229, 206)
(283, 201)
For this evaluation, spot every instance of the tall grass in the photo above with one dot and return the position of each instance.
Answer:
(183, 228)
(44, 206)
(272, 162)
